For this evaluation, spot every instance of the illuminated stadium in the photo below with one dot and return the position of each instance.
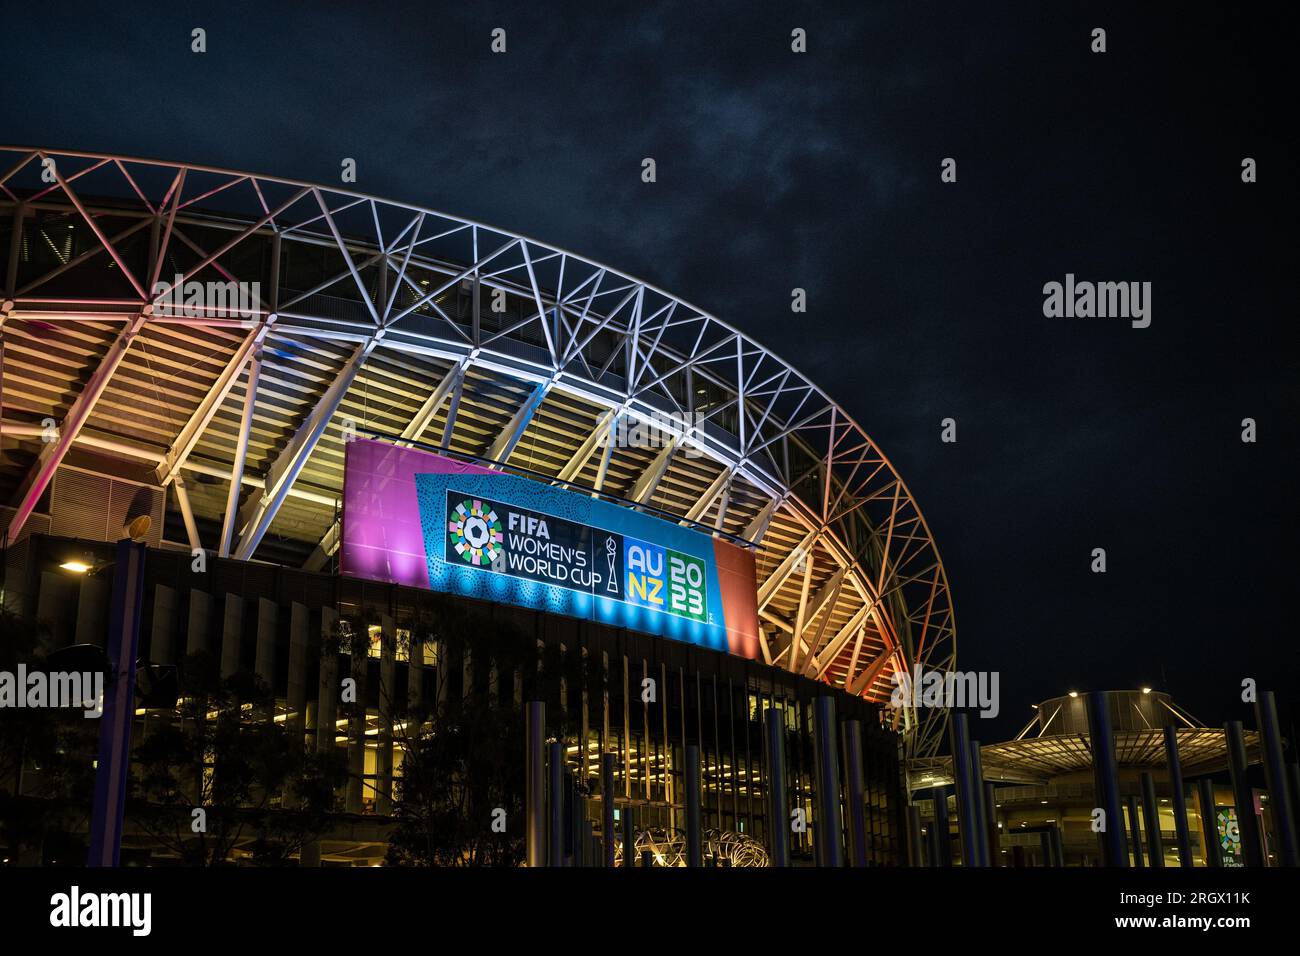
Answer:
(214, 350)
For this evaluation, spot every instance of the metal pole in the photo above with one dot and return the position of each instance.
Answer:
(1151, 816)
(629, 838)
(118, 707)
(941, 828)
(779, 819)
(1105, 779)
(1045, 847)
(607, 761)
(967, 828)
(1280, 801)
(573, 838)
(556, 797)
(1178, 797)
(1209, 822)
(693, 843)
(830, 822)
(1136, 841)
(1058, 849)
(535, 784)
(991, 818)
(980, 821)
(914, 839)
(857, 793)
(1252, 847)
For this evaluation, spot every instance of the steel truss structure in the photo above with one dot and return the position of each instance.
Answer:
(376, 315)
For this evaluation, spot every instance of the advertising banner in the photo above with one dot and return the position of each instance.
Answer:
(415, 518)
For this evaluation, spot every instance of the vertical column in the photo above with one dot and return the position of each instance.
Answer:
(1135, 832)
(415, 684)
(693, 841)
(164, 615)
(196, 631)
(296, 690)
(443, 677)
(318, 709)
(268, 615)
(555, 795)
(231, 632)
(535, 783)
(575, 819)
(1105, 779)
(607, 762)
(327, 690)
(92, 601)
(1178, 797)
(967, 826)
(980, 822)
(1151, 820)
(779, 814)
(991, 821)
(943, 833)
(1252, 847)
(1280, 801)
(358, 645)
(629, 838)
(830, 825)
(387, 704)
(915, 847)
(118, 708)
(1209, 822)
(857, 793)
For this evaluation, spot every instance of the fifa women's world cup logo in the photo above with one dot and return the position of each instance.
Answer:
(476, 533)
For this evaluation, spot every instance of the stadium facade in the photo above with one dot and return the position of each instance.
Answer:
(209, 349)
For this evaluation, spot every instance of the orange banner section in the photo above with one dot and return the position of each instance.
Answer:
(738, 582)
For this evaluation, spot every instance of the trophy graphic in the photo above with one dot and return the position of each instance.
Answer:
(611, 551)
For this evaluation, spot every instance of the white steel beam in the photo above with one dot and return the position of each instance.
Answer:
(505, 442)
(857, 685)
(711, 494)
(187, 513)
(241, 454)
(260, 510)
(599, 436)
(644, 489)
(51, 455)
(429, 410)
(767, 590)
(758, 527)
(174, 458)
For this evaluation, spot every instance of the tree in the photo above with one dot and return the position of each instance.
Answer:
(460, 800)
(257, 787)
(47, 755)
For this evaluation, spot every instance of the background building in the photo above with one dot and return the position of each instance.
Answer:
(1043, 788)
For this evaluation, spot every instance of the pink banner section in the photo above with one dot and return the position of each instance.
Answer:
(381, 535)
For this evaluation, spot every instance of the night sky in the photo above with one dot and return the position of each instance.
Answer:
(822, 171)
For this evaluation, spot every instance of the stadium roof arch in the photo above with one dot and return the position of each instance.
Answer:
(376, 314)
